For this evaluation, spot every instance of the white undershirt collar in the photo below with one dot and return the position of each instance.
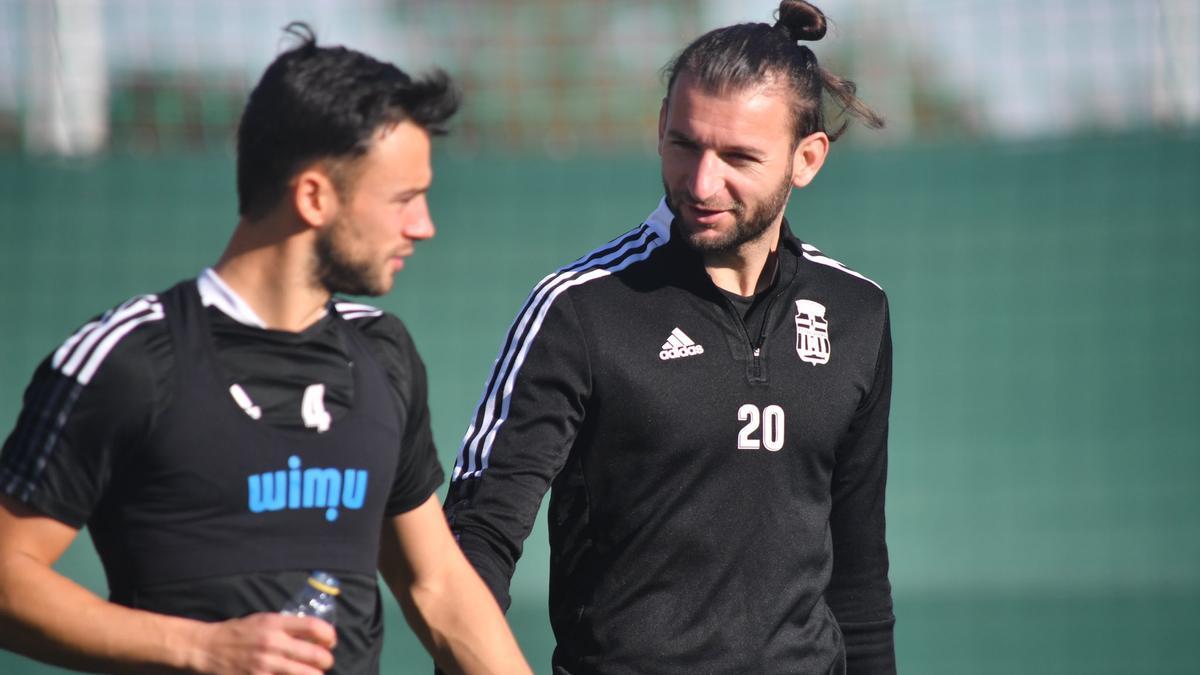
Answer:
(216, 293)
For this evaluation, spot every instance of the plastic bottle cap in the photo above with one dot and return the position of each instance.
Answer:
(323, 587)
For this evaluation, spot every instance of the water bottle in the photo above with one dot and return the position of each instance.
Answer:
(317, 598)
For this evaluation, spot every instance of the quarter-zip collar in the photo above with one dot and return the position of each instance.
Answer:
(686, 268)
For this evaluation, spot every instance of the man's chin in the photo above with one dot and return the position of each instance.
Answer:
(706, 240)
(382, 289)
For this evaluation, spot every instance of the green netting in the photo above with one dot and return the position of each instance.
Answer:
(1044, 502)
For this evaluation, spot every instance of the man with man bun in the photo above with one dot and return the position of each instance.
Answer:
(225, 437)
(708, 397)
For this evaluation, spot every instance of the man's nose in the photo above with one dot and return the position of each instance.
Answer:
(707, 177)
(420, 225)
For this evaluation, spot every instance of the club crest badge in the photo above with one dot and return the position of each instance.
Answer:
(812, 332)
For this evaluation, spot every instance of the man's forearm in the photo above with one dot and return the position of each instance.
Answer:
(446, 603)
(462, 626)
(48, 617)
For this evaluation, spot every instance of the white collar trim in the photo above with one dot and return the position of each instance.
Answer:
(216, 293)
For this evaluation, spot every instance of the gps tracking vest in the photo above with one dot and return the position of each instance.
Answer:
(211, 491)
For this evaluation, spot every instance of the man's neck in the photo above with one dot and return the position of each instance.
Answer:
(273, 274)
(749, 269)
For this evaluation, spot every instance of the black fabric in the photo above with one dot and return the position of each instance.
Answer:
(716, 510)
(741, 303)
(751, 309)
(274, 367)
(86, 449)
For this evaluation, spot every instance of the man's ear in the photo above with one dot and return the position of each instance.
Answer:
(315, 197)
(808, 157)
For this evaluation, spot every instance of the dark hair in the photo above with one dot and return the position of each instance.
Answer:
(316, 102)
(743, 55)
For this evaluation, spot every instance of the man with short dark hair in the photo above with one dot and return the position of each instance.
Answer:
(226, 437)
(708, 397)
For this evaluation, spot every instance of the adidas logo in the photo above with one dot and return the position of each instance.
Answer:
(679, 345)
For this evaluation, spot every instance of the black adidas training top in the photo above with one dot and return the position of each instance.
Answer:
(718, 488)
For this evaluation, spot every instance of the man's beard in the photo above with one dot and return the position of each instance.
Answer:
(747, 226)
(337, 272)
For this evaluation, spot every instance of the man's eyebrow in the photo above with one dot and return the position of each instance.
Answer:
(411, 192)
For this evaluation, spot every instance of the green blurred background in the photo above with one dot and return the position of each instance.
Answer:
(1044, 500)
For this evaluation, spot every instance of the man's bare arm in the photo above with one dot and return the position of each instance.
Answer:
(48, 617)
(446, 603)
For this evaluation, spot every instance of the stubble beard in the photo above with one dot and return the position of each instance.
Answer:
(748, 225)
(337, 272)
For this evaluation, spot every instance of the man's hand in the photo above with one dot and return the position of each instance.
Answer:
(265, 643)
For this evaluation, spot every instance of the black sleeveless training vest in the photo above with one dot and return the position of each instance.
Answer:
(211, 492)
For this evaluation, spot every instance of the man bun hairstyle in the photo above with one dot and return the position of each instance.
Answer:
(314, 103)
(744, 55)
(800, 20)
